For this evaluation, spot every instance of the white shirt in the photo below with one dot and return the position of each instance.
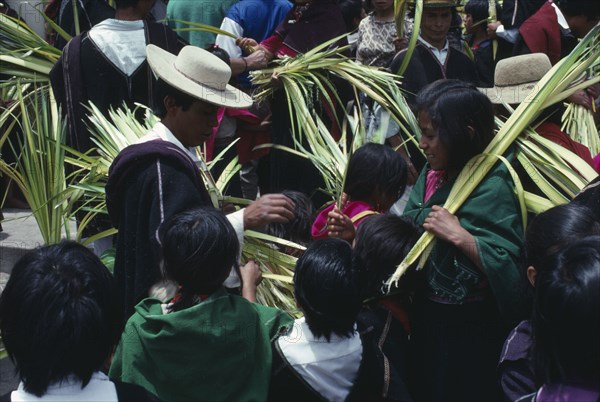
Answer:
(329, 367)
(100, 388)
(440, 54)
(160, 131)
(122, 42)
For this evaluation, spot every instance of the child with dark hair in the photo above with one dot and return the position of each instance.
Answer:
(375, 179)
(566, 324)
(475, 21)
(473, 271)
(321, 357)
(206, 342)
(60, 320)
(547, 233)
(296, 230)
(382, 242)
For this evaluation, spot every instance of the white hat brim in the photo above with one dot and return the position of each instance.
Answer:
(513, 94)
(162, 64)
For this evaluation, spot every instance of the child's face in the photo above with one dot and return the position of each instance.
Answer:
(436, 152)
(468, 20)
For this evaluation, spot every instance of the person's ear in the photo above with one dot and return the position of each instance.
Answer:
(531, 275)
(170, 104)
(471, 132)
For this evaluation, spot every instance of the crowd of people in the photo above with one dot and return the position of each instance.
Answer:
(498, 311)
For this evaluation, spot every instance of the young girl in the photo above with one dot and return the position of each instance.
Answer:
(375, 179)
(473, 267)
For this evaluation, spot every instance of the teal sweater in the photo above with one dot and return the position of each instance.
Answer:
(197, 11)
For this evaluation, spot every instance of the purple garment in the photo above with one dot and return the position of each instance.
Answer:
(515, 368)
(568, 393)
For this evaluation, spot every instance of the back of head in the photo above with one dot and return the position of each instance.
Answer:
(553, 229)
(352, 11)
(326, 285)
(298, 229)
(59, 315)
(199, 248)
(587, 8)
(462, 115)
(382, 242)
(566, 317)
(375, 168)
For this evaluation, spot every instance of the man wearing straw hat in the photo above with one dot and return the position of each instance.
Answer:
(433, 58)
(159, 176)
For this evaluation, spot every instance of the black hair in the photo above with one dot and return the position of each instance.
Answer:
(199, 248)
(298, 229)
(479, 10)
(326, 286)
(219, 52)
(59, 315)
(566, 317)
(382, 242)
(553, 229)
(121, 4)
(375, 169)
(351, 10)
(572, 8)
(462, 116)
(162, 90)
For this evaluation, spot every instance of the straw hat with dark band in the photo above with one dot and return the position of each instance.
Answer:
(198, 73)
(516, 78)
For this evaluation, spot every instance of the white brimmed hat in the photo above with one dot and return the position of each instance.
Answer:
(198, 73)
(516, 78)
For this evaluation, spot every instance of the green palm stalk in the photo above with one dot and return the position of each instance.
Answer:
(39, 170)
(413, 38)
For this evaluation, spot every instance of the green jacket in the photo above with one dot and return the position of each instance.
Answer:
(492, 215)
(218, 350)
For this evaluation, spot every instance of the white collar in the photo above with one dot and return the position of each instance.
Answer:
(562, 21)
(431, 47)
(160, 131)
(100, 388)
(121, 42)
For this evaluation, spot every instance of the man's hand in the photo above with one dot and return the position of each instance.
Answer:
(491, 29)
(267, 209)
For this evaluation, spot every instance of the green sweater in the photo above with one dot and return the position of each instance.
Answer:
(198, 11)
(217, 350)
(491, 215)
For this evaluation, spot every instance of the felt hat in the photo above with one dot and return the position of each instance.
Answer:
(198, 73)
(516, 78)
(439, 3)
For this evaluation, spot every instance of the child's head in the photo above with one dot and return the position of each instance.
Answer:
(59, 315)
(326, 285)
(476, 13)
(553, 229)
(461, 120)
(298, 229)
(376, 174)
(581, 15)
(382, 242)
(199, 248)
(566, 317)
